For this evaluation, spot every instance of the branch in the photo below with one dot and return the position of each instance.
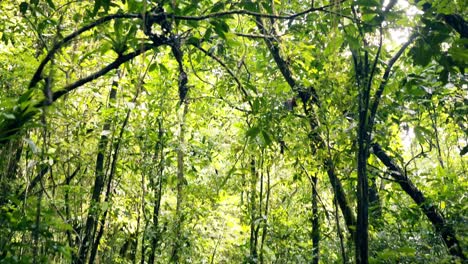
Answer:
(383, 83)
(254, 36)
(442, 226)
(255, 14)
(390, 5)
(114, 65)
(239, 84)
(37, 75)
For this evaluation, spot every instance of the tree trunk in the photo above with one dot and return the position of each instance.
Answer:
(437, 219)
(253, 212)
(362, 229)
(93, 211)
(306, 97)
(267, 206)
(181, 182)
(315, 223)
(158, 191)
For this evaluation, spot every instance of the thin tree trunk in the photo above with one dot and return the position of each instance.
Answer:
(437, 219)
(375, 205)
(157, 192)
(315, 223)
(307, 97)
(113, 168)
(181, 182)
(433, 117)
(267, 206)
(253, 211)
(362, 229)
(338, 231)
(93, 211)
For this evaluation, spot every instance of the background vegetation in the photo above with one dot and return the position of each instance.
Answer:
(233, 131)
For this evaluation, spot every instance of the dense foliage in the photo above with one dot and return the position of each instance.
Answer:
(233, 131)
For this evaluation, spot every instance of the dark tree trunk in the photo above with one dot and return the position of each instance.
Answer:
(253, 212)
(340, 196)
(267, 206)
(93, 212)
(181, 182)
(310, 96)
(158, 191)
(315, 223)
(362, 232)
(437, 219)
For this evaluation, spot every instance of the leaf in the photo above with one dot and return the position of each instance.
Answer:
(9, 116)
(208, 33)
(421, 54)
(266, 137)
(464, 150)
(253, 132)
(459, 54)
(442, 205)
(51, 4)
(193, 41)
(32, 145)
(368, 3)
(217, 7)
(255, 105)
(422, 133)
(267, 6)
(97, 6)
(220, 27)
(250, 6)
(152, 67)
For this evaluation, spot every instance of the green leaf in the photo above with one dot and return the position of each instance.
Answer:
(368, 3)
(97, 6)
(421, 54)
(9, 116)
(193, 41)
(51, 4)
(220, 27)
(266, 137)
(153, 67)
(217, 7)
(253, 132)
(32, 146)
(267, 6)
(459, 54)
(250, 6)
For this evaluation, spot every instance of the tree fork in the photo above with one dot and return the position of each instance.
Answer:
(328, 163)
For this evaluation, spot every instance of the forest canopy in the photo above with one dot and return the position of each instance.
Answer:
(246, 131)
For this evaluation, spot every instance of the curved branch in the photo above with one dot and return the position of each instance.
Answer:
(114, 65)
(37, 75)
(255, 14)
(230, 72)
(442, 226)
(383, 83)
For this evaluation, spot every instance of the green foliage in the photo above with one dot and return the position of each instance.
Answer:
(230, 180)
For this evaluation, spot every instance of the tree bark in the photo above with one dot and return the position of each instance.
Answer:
(93, 211)
(253, 212)
(181, 182)
(315, 223)
(159, 152)
(305, 96)
(443, 228)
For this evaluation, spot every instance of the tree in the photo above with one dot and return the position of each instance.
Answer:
(232, 131)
